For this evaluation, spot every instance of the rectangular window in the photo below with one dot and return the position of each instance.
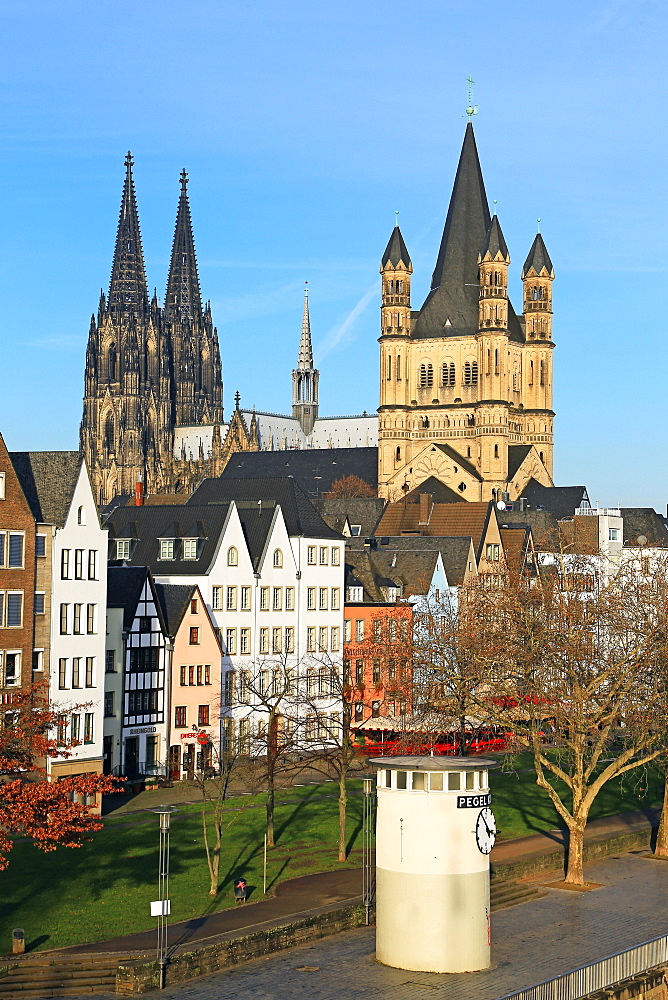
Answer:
(336, 556)
(90, 671)
(264, 598)
(180, 716)
(191, 675)
(207, 673)
(166, 548)
(289, 598)
(492, 552)
(78, 564)
(108, 704)
(38, 659)
(203, 715)
(334, 639)
(3, 536)
(145, 623)
(613, 534)
(76, 672)
(289, 639)
(110, 661)
(322, 599)
(61, 729)
(359, 630)
(375, 671)
(216, 598)
(231, 599)
(144, 658)
(76, 627)
(264, 640)
(277, 599)
(311, 554)
(310, 599)
(244, 641)
(12, 669)
(39, 602)
(194, 635)
(228, 688)
(40, 547)
(92, 564)
(310, 639)
(62, 673)
(2, 486)
(245, 598)
(123, 548)
(193, 606)
(199, 675)
(324, 553)
(276, 640)
(15, 551)
(190, 548)
(14, 610)
(336, 599)
(231, 641)
(322, 639)
(75, 728)
(65, 564)
(90, 618)
(89, 723)
(182, 676)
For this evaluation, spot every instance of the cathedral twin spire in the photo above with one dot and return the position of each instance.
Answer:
(127, 289)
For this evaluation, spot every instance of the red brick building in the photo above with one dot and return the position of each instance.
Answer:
(17, 581)
(377, 659)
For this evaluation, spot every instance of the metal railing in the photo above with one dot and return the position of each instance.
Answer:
(595, 511)
(589, 979)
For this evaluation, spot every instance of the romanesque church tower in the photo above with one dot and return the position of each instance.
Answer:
(147, 369)
(465, 383)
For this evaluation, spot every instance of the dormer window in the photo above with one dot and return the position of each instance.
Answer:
(355, 530)
(190, 548)
(123, 548)
(355, 595)
(167, 548)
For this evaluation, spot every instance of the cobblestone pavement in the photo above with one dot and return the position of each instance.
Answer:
(532, 942)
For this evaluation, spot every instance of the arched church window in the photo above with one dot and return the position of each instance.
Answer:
(111, 362)
(448, 373)
(398, 368)
(534, 294)
(542, 373)
(496, 451)
(426, 376)
(496, 362)
(425, 421)
(400, 287)
(516, 378)
(397, 456)
(109, 434)
(232, 556)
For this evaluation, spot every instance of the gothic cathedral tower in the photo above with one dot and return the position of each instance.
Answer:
(465, 383)
(147, 370)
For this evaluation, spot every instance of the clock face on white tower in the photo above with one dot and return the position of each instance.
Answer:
(485, 830)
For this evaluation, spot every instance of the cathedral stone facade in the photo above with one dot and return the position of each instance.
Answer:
(465, 383)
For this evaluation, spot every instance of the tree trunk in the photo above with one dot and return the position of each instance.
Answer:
(271, 792)
(661, 846)
(343, 805)
(462, 736)
(214, 867)
(575, 868)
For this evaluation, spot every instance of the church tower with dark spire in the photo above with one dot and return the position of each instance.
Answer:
(305, 378)
(465, 383)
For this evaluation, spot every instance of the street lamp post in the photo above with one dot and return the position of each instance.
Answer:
(161, 907)
(367, 834)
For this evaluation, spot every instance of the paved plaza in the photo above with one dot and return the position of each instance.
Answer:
(531, 942)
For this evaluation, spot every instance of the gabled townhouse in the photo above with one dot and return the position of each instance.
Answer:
(17, 583)
(70, 594)
(268, 568)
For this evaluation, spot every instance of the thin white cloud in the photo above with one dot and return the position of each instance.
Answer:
(64, 342)
(345, 330)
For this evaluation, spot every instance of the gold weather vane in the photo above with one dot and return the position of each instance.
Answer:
(472, 108)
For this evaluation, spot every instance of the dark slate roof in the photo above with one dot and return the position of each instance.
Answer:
(439, 492)
(644, 522)
(315, 469)
(413, 553)
(148, 524)
(174, 599)
(395, 251)
(516, 455)
(542, 523)
(538, 258)
(124, 587)
(301, 516)
(256, 521)
(495, 241)
(455, 282)
(365, 511)
(562, 501)
(48, 479)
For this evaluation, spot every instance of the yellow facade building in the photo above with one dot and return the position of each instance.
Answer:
(465, 382)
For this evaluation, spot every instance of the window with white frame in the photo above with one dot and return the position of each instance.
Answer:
(324, 554)
(217, 598)
(91, 619)
(11, 609)
(92, 564)
(264, 640)
(39, 602)
(264, 598)
(347, 630)
(76, 627)
(322, 599)
(335, 603)
(90, 671)
(231, 641)
(62, 673)
(122, 549)
(276, 640)
(310, 639)
(190, 548)
(336, 555)
(359, 630)
(75, 728)
(289, 598)
(311, 554)
(278, 558)
(232, 556)
(231, 599)
(40, 546)
(166, 548)
(244, 641)
(78, 564)
(246, 598)
(310, 599)
(277, 599)
(322, 639)
(334, 639)
(12, 668)
(289, 639)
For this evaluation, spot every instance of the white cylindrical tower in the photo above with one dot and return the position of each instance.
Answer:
(434, 832)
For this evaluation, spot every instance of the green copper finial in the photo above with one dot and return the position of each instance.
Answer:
(471, 109)
(495, 204)
(396, 218)
(538, 221)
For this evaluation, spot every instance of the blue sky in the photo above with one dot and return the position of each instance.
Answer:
(303, 126)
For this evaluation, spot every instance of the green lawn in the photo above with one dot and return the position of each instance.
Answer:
(104, 888)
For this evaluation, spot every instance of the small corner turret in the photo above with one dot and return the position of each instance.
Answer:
(537, 278)
(396, 269)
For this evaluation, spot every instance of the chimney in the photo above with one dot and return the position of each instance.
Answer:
(426, 503)
(139, 494)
